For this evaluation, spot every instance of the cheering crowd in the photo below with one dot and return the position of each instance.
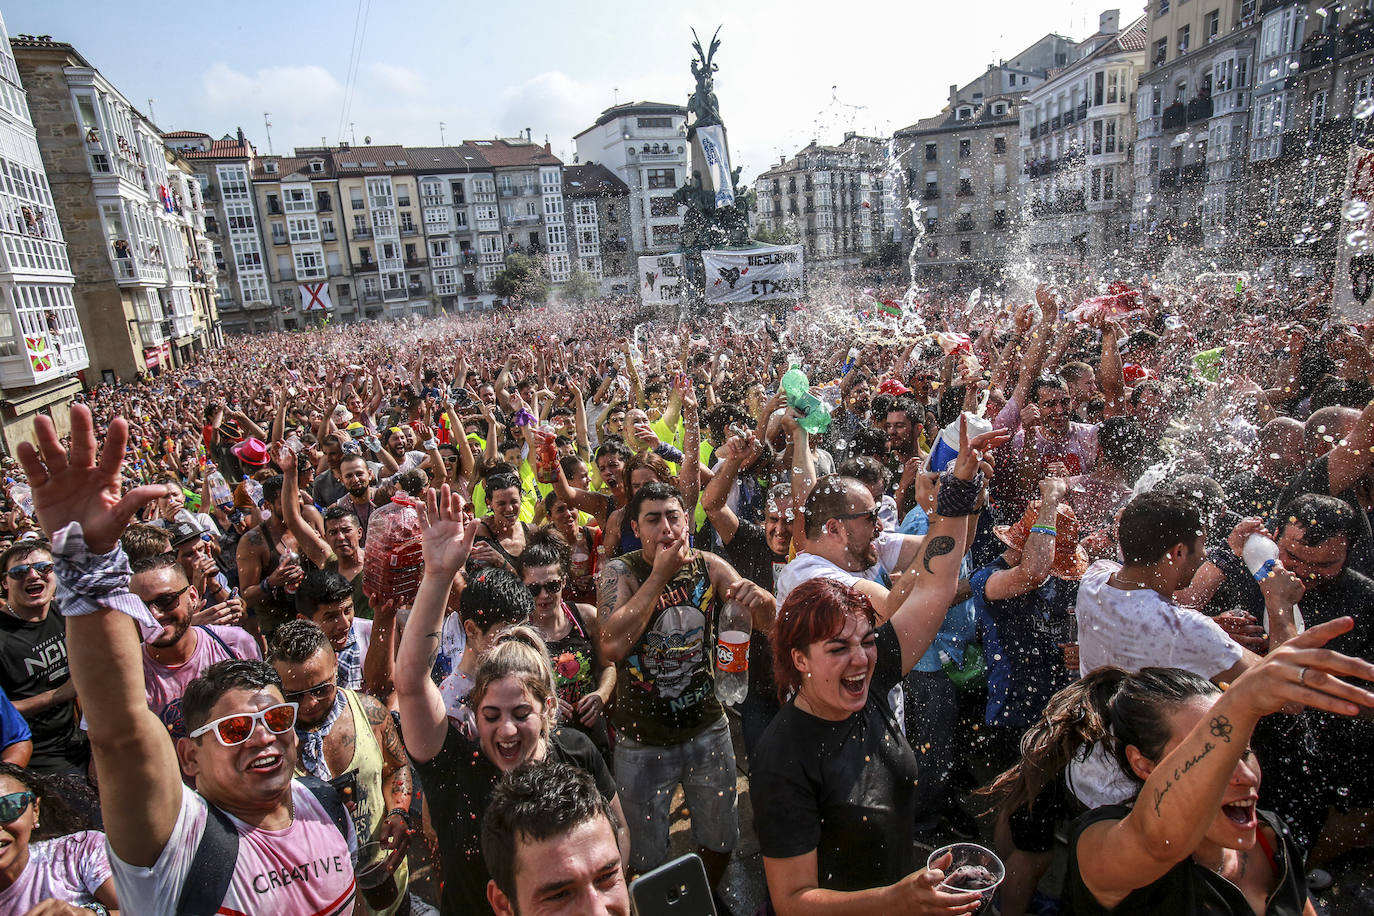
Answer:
(1087, 574)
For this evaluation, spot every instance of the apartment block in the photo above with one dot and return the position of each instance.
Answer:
(1193, 125)
(1077, 140)
(599, 206)
(42, 347)
(131, 212)
(645, 145)
(459, 206)
(529, 187)
(961, 164)
(835, 199)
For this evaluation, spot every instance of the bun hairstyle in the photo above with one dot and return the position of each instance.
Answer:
(520, 653)
(1119, 708)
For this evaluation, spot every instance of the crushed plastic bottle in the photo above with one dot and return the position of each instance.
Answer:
(733, 630)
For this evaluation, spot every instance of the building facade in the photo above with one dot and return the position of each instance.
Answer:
(961, 164)
(1077, 140)
(599, 213)
(131, 218)
(42, 347)
(456, 187)
(645, 145)
(834, 199)
(529, 188)
(1193, 122)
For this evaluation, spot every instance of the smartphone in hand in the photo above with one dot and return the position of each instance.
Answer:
(676, 888)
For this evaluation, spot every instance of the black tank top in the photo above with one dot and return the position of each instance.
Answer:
(1189, 889)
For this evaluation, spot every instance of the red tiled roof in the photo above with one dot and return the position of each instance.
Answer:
(1133, 39)
(592, 180)
(183, 134)
(504, 152)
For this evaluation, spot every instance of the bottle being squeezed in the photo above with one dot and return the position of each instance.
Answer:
(733, 630)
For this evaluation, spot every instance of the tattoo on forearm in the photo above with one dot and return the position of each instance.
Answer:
(1221, 728)
(937, 547)
(434, 640)
(608, 588)
(1182, 770)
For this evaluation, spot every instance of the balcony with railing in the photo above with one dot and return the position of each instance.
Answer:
(367, 265)
(1174, 116)
(510, 192)
(152, 332)
(381, 201)
(1199, 108)
(443, 260)
(398, 294)
(409, 229)
(416, 262)
(392, 264)
(361, 233)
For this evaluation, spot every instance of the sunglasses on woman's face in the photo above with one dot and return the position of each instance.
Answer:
(552, 588)
(14, 805)
(233, 730)
(19, 572)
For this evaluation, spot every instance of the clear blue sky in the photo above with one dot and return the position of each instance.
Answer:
(790, 72)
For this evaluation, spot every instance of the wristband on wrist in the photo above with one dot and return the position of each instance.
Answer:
(431, 444)
(404, 815)
(958, 497)
(1044, 529)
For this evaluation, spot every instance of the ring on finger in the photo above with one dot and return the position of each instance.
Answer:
(1302, 675)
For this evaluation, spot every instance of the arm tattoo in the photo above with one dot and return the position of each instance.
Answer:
(1221, 728)
(608, 589)
(937, 546)
(435, 639)
(1181, 771)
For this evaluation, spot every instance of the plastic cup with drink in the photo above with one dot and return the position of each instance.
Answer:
(972, 869)
(376, 883)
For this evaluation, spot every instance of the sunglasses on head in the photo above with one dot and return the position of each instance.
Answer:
(318, 692)
(166, 602)
(552, 588)
(14, 805)
(233, 730)
(19, 572)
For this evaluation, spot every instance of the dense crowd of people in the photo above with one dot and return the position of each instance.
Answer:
(443, 615)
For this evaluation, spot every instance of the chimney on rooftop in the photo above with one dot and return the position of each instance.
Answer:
(953, 93)
(1109, 22)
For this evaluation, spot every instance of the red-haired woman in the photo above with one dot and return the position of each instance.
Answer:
(833, 774)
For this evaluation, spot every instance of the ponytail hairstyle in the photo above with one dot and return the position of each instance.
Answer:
(520, 653)
(1119, 708)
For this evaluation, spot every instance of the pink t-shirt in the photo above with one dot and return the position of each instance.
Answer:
(165, 685)
(68, 868)
(304, 870)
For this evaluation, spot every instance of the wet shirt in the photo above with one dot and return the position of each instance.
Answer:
(33, 660)
(665, 688)
(68, 868)
(1190, 889)
(303, 869)
(1021, 643)
(458, 781)
(846, 790)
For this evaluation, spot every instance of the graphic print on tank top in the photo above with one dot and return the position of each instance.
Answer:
(672, 662)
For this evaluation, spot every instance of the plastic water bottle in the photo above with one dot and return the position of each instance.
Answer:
(393, 559)
(733, 629)
(1261, 555)
(254, 490)
(22, 495)
(815, 416)
(220, 494)
(946, 447)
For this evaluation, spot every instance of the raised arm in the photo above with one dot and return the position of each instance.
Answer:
(312, 544)
(1109, 370)
(691, 445)
(140, 780)
(1037, 555)
(1184, 791)
(714, 498)
(931, 582)
(1039, 343)
(1352, 457)
(448, 531)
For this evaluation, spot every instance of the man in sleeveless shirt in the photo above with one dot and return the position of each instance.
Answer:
(341, 731)
(659, 606)
(291, 857)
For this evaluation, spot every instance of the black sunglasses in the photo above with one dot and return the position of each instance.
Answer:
(318, 692)
(13, 805)
(19, 572)
(165, 603)
(870, 514)
(552, 588)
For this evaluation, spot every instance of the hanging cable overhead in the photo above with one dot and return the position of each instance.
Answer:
(354, 61)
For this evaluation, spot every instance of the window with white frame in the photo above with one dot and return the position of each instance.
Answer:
(303, 229)
(309, 265)
(297, 200)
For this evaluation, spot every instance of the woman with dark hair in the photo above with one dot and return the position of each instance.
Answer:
(833, 777)
(501, 535)
(570, 632)
(1193, 841)
(67, 873)
(583, 543)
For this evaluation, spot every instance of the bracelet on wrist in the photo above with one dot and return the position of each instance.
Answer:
(404, 815)
(1044, 529)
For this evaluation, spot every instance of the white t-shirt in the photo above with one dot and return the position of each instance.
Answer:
(1134, 629)
(810, 566)
(69, 868)
(305, 869)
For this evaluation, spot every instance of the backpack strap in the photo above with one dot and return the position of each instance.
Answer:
(331, 800)
(212, 869)
(216, 637)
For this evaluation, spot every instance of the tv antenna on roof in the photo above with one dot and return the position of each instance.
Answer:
(267, 125)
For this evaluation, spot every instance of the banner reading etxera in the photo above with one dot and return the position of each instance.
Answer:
(660, 279)
(770, 272)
